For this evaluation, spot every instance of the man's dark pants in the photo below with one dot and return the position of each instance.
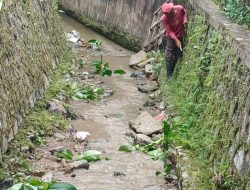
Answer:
(172, 53)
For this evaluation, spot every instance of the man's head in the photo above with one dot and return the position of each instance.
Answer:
(167, 8)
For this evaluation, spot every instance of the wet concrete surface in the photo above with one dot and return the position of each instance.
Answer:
(107, 121)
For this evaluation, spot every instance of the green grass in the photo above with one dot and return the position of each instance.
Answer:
(195, 98)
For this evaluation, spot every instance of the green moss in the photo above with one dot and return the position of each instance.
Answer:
(197, 94)
(115, 34)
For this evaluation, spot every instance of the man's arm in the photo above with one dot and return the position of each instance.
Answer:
(169, 31)
(185, 17)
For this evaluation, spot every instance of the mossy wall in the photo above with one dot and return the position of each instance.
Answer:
(31, 42)
(211, 94)
(124, 21)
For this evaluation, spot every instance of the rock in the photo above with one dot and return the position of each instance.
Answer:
(131, 134)
(155, 95)
(38, 173)
(146, 124)
(137, 58)
(25, 149)
(239, 160)
(149, 103)
(7, 183)
(82, 135)
(56, 106)
(119, 174)
(59, 136)
(161, 106)
(148, 70)
(55, 150)
(84, 76)
(70, 129)
(147, 61)
(108, 92)
(157, 137)
(48, 177)
(150, 87)
(31, 137)
(142, 139)
(81, 164)
(72, 114)
(61, 97)
(138, 75)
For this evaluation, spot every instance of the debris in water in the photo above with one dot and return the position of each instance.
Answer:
(119, 174)
(73, 36)
(82, 135)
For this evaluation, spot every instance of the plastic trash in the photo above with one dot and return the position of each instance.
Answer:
(73, 36)
(1, 4)
(82, 135)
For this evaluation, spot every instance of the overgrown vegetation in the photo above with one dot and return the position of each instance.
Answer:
(40, 123)
(236, 10)
(196, 101)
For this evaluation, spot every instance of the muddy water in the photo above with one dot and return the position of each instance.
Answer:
(107, 121)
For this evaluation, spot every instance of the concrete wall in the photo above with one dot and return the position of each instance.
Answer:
(30, 45)
(131, 18)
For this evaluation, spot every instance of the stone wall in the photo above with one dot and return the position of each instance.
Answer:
(124, 21)
(30, 44)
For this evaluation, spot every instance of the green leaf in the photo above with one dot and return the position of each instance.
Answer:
(90, 155)
(99, 90)
(90, 97)
(96, 62)
(94, 42)
(157, 154)
(166, 128)
(65, 154)
(18, 186)
(125, 148)
(157, 173)
(120, 72)
(35, 182)
(79, 95)
(107, 72)
(61, 186)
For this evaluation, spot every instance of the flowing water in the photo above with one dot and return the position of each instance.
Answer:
(107, 121)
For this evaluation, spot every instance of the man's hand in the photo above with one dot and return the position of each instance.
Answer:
(178, 43)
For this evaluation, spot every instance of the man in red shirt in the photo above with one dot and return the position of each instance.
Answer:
(174, 18)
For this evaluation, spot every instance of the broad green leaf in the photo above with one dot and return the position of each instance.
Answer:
(107, 72)
(61, 186)
(125, 148)
(119, 72)
(90, 155)
(65, 154)
(35, 182)
(94, 42)
(18, 186)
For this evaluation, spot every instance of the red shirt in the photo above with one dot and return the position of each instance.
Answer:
(175, 24)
